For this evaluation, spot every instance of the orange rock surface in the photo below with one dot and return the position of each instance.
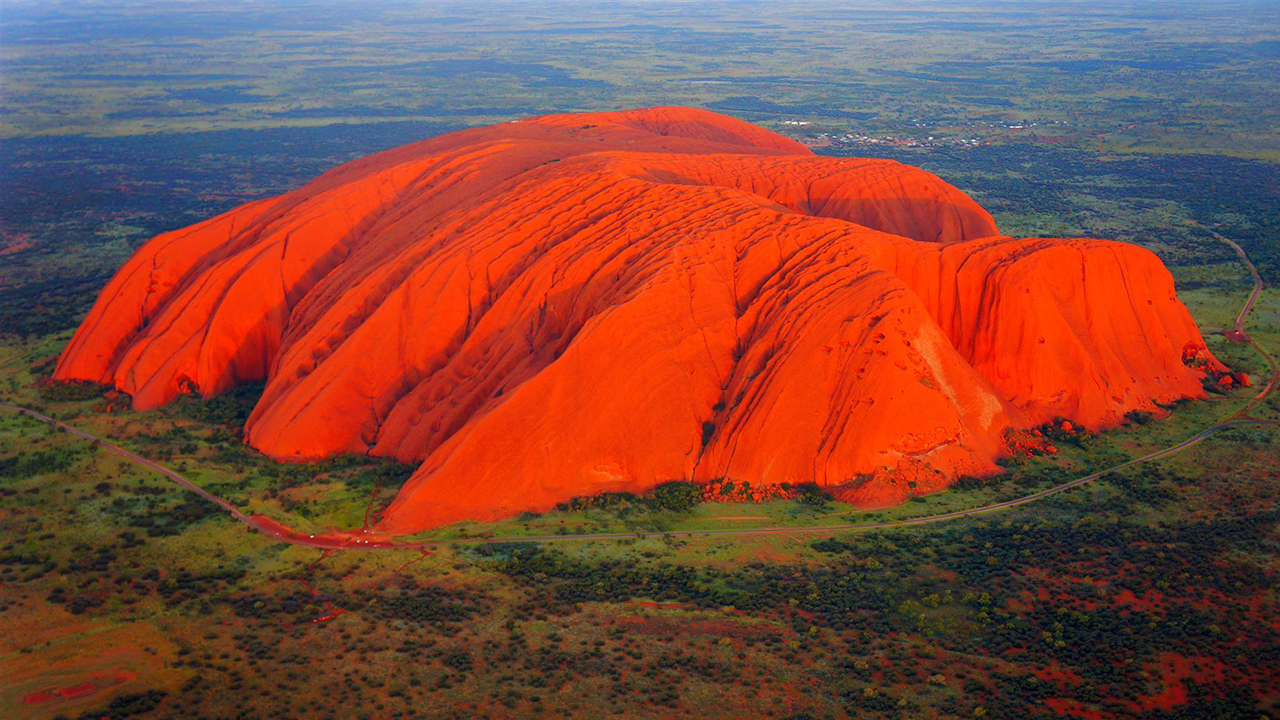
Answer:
(581, 303)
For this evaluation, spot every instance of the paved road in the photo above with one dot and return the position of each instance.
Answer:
(135, 457)
(360, 540)
(1257, 282)
(1273, 378)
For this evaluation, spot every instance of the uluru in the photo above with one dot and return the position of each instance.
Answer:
(583, 303)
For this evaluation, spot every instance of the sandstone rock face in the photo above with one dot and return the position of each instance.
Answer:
(582, 303)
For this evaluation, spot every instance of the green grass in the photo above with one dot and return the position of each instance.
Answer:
(105, 567)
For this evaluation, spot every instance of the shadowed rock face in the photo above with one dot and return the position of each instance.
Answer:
(602, 302)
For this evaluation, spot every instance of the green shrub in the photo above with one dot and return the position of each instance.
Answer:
(812, 495)
(676, 497)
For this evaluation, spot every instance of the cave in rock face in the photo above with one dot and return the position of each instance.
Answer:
(581, 303)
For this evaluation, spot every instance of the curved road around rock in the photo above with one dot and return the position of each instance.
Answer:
(1273, 379)
(361, 540)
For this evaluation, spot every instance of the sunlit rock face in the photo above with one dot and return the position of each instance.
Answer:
(581, 303)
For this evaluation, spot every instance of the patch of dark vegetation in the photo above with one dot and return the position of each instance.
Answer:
(673, 497)
(366, 473)
(70, 390)
(40, 462)
(292, 606)
(160, 519)
(812, 495)
(965, 588)
(1139, 417)
(621, 504)
(1063, 432)
(966, 483)
(201, 587)
(228, 411)
(403, 599)
(677, 497)
(503, 549)
(128, 705)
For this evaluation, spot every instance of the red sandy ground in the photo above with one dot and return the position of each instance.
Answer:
(88, 687)
(571, 304)
(330, 539)
(1072, 708)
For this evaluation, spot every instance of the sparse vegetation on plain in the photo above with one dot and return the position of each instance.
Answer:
(1149, 594)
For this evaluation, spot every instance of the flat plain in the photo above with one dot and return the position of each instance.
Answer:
(1150, 593)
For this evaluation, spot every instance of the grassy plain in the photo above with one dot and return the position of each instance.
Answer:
(114, 578)
(1150, 594)
(134, 599)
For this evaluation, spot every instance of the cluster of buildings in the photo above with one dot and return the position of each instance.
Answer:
(838, 139)
(852, 140)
